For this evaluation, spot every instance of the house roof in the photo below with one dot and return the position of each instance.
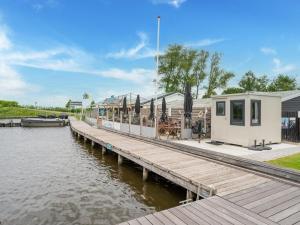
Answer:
(284, 95)
(160, 96)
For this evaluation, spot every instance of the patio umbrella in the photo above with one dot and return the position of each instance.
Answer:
(151, 115)
(137, 106)
(124, 109)
(163, 117)
(188, 102)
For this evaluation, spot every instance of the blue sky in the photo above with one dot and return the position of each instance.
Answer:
(53, 50)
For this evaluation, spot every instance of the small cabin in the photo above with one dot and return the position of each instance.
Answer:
(246, 119)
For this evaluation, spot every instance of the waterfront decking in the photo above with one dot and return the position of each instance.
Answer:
(243, 197)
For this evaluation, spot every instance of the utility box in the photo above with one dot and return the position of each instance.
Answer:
(245, 119)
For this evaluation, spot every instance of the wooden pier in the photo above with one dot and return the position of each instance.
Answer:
(240, 196)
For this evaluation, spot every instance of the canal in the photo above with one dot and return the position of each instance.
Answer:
(50, 177)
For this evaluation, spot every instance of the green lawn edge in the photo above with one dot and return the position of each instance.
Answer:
(291, 162)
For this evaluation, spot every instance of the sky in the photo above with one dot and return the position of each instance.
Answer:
(55, 50)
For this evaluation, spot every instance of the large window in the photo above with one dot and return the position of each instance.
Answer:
(220, 108)
(255, 112)
(237, 112)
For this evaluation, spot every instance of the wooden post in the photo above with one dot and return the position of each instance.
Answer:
(93, 143)
(103, 150)
(189, 194)
(141, 124)
(84, 139)
(120, 159)
(78, 135)
(145, 174)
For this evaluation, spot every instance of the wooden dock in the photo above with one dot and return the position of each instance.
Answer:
(243, 197)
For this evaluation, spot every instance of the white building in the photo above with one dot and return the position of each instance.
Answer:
(246, 118)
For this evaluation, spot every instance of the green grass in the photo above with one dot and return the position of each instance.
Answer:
(17, 112)
(292, 162)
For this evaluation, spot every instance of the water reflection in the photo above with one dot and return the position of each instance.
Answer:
(50, 177)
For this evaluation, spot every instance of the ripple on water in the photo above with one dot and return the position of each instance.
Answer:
(48, 177)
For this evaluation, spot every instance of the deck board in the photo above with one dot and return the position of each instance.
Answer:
(243, 197)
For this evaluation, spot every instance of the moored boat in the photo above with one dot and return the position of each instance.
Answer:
(41, 122)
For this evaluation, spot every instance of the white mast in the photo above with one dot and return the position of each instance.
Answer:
(156, 80)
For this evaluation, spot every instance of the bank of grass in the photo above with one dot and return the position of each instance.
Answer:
(291, 162)
(18, 112)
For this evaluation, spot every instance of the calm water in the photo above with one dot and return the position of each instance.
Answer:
(49, 177)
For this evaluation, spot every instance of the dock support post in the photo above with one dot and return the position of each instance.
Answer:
(103, 150)
(93, 143)
(120, 159)
(84, 139)
(78, 135)
(145, 174)
(189, 194)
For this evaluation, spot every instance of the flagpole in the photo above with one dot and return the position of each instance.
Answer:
(156, 80)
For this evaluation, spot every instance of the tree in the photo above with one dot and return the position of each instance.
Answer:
(169, 68)
(250, 82)
(181, 65)
(68, 104)
(85, 95)
(233, 90)
(217, 78)
(92, 104)
(283, 83)
(199, 69)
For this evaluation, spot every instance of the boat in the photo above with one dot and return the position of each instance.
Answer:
(41, 122)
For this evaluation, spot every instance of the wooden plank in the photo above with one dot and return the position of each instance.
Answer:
(240, 186)
(265, 200)
(238, 209)
(214, 218)
(183, 217)
(162, 218)
(280, 207)
(236, 214)
(153, 220)
(143, 221)
(134, 222)
(293, 219)
(173, 218)
(200, 217)
(261, 195)
(286, 213)
(277, 201)
(255, 192)
(219, 213)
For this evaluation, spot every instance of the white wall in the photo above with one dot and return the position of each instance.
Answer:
(269, 130)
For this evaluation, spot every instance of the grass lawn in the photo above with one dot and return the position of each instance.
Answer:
(15, 112)
(292, 162)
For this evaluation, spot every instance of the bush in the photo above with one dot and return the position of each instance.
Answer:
(4, 103)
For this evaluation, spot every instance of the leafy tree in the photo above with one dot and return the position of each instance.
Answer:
(169, 68)
(283, 83)
(92, 104)
(85, 95)
(4, 103)
(199, 69)
(68, 104)
(250, 82)
(217, 78)
(233, 90)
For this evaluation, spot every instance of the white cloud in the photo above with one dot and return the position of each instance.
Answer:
(174, 3)
(11, 82)
(268, 51)
(5, 43)
(204, 42)
(279, 67)
(39, 5)
(141, 50)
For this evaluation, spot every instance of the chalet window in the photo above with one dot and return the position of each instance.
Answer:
(237, 112)
(220, 108)
(255, 112)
